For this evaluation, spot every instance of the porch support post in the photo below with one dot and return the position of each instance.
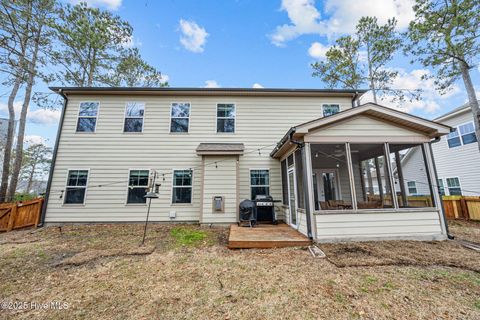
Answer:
(400, 178)
(307, 186)
(431, 167)
(351, 176)
(311, 197)
(390, 176)
(379, 178)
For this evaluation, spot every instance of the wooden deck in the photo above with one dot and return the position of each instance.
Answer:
(265, 236)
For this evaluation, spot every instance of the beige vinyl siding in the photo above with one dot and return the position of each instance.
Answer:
(363, 128)
(109, 153)
(462, 162)
(302, 222)
(413, 169)
(370, 226)
(220, 181)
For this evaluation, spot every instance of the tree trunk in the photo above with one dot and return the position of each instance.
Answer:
(370, 75)
(17, 166)
(30, 178)
(472, 99)
(9, 143)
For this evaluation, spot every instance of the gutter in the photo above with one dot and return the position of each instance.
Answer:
(354, 98)
(54, 158)
(437, 139)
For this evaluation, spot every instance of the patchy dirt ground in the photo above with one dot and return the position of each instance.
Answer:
(185, 272)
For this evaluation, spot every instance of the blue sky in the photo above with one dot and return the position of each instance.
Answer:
(242, 43)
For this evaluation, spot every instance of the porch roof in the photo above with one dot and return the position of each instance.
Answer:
(212, 148)
(428, 128)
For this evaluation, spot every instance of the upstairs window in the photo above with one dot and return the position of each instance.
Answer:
(330, 109)
(259, 182)
(76, 187)
(182, 186)
(467, 131)
(134, 112)
(137, 186)
(87, 117)
(453, 185)
(226, 118)
(463, 134)
(179, 117)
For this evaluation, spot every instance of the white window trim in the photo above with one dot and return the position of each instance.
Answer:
(259, 185)
(172, 187)
(235, 118)
(189, 114)
(447, 188)
(128, 186)
(329, 104)
(79, 116)
(125, 117)
(457, 129)
(66, 186)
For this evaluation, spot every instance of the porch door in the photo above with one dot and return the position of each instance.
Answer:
(292, 200)
(327, 184)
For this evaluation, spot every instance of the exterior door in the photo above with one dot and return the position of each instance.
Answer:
(327, 181)
(292, 200)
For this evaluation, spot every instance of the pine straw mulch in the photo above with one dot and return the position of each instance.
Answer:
(205, 280)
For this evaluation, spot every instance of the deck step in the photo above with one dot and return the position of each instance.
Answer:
(265, 236)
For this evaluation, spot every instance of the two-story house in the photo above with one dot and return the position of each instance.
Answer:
(315, 150)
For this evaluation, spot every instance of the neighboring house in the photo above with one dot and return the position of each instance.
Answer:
(208, 149)
(457, 157)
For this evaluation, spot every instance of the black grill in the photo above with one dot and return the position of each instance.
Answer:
(265, 208)
(247, 213)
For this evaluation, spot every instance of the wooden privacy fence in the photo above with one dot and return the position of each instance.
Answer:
(462, 207)
(19, 215)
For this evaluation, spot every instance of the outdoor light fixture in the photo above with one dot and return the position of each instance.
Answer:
(150, 195)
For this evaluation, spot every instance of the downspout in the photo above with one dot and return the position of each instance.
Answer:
(300, 145)
(354, 98)
(437, 139)
(54, 158)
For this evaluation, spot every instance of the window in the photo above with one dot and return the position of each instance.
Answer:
(226, 118)
(179, 116)
(453, 185)
(467, 131)
(134, 112)
(182, 186)
(259, 182)
(462, 135)
(87, 117)
(441, 187)
(373, 188)
(137, 186)
(76, 187)
(412, 187)
(330, 109)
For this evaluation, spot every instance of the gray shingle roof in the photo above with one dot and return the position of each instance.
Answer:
(220, 148)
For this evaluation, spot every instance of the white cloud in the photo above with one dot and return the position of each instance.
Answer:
(132, 42)
(193, 36)
(304, 19)
(43, 116)
(211, 84)
(431, 100)
(34, 139)
(110, 4)
(165, 78)
(257, 86)
(318, 50)
(38, 116)
(339, 17)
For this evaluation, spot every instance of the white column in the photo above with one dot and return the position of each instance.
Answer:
(311, 198)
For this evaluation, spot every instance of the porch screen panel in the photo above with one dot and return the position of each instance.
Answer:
(284, 182)
(371, 176)
(409, 168)
(331, 179)
(299, 176)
